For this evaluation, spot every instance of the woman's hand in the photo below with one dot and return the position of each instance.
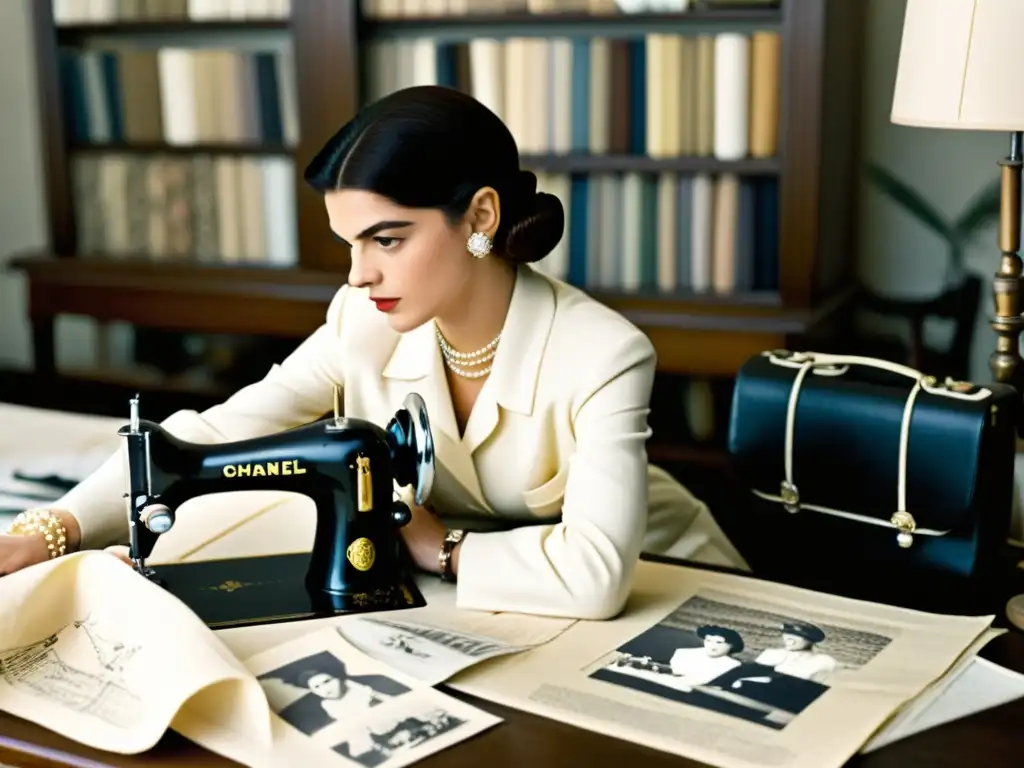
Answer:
(22, 551)
(17, 552)
(423, 536)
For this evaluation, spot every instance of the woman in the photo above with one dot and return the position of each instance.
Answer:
(715, 657)
(538, 395)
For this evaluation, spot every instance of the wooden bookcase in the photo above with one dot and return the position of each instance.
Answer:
(703, 335)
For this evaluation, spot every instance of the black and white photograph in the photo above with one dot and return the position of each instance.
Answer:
(429, 654)
(317, 690)
(759, 665)
(393, 738)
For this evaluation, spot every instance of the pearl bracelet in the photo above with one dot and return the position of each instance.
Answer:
(45, 523)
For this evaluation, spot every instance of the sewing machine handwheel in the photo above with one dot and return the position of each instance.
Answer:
(423, 445)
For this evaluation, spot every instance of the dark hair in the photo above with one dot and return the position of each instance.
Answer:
(435, 147)
(731, 636)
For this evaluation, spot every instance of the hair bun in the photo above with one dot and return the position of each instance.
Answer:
(540, 229)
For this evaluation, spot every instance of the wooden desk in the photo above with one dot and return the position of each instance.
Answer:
(991, 738)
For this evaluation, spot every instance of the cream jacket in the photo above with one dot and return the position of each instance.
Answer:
(555, 445)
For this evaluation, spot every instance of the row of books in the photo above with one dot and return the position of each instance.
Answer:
(384, 9)
(181, 96)
(69, 12)
(666, 232)
(624, 232)
(214, 208)
(663, 95)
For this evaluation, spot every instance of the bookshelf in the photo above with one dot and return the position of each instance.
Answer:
(696, 332)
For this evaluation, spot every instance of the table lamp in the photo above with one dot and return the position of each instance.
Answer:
(961, 67)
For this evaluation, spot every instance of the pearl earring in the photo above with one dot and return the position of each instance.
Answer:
(479, 244)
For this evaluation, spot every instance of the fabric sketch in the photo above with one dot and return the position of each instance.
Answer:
(79, 667)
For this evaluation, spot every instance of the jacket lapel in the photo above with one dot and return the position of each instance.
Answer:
(512, 384)
(416, 362)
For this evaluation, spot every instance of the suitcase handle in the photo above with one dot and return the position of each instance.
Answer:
(825, 364)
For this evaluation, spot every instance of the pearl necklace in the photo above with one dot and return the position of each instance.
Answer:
(460, 362)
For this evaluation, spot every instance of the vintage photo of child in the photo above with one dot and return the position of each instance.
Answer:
(759, 665)
(357, 708)
(315, 691)
(402, 735)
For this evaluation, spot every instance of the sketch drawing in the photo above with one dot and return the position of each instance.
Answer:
(377, 744)
(315, 691)
(757, 665)
(426, 653)
(78, 667)
(404, 634)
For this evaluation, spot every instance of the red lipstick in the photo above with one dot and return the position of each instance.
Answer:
(385, 305)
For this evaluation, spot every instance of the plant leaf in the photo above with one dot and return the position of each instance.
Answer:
(982, 210)
(910, 199)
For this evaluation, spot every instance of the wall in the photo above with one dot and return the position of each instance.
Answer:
(899, 256)
(22, 202)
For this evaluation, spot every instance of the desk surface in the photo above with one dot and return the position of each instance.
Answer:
(990, 738)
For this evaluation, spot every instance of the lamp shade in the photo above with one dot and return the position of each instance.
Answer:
(961, 65)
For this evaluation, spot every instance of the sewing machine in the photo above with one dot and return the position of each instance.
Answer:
(348, 467)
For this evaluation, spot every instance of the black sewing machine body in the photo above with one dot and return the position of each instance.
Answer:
(347, 467)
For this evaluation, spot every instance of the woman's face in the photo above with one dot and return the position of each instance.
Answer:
(412, 261)
(325, 686)
(716, 646)
(795, 642)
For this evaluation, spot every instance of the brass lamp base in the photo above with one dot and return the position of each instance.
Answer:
(1005, 361)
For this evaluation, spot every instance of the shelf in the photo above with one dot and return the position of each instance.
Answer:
(548, 23)
(181, 295)
(579, 163)
(69, 34)
(699, 334)
(104, 394)
(161, 147)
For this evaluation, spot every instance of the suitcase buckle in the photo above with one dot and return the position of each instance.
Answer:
(790, 496)
(906, 524)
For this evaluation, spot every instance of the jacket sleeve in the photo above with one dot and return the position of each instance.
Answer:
(296, 391)
(582, 566)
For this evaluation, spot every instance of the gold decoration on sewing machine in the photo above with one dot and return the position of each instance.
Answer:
(906, 524)
(264, 469)
(361, 554)
(790, 496)
(364, 484)
(231, 586)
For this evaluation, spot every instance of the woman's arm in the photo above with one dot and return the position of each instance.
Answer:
(582, 567)
(297, 391)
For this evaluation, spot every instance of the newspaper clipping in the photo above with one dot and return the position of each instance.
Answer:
(357, 709)
(430, 654)
(733, 671)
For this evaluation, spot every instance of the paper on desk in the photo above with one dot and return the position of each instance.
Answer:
(38, 444)
(357, 710)
(97, 653)
(436, 641)
(976, 686)
(648, 676)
